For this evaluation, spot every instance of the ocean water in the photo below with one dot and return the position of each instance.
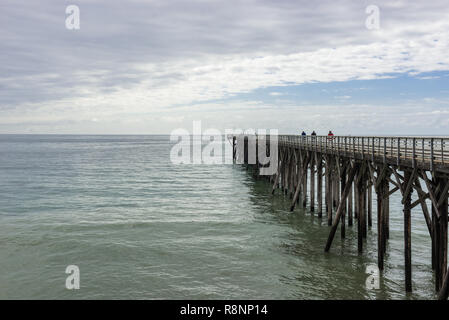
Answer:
(140, 227)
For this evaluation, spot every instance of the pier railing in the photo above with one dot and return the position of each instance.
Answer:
(413, 151)
(423, 152)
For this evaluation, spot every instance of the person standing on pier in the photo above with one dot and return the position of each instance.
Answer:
(330, 135)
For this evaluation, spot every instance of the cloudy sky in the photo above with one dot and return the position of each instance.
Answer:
(150, 66)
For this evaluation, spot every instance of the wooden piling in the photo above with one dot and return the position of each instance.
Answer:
(304, 188)
(300, 182)
(380, 224)
(385, 209)
(340, 208)
(329, 191)
(386, 214)
(407, 236)
(356, 200)
(342, 201)
(320, 187)
(350, 206)
(312, 184)
(370, 204)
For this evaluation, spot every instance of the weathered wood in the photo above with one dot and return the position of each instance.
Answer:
(300, 179)
(443, 195)
(370, 205)
(356, 199)
(386, 212)
(276, 179)
(435, 251)
(409, 185)
(304, 186)
(285, 179)
(351, 175)
(407, 234)
(444, 291)
(360, 205)
(335, 189)
(320, 187)
(440, 235)
(312, 184)
(425, 210)
(360, 217)
(350, 205)
(234, 149)
(342, 201)
(391, 192)
(363, 207)
(380, 224)
(431, 194)
(329, 191)
(361, 183)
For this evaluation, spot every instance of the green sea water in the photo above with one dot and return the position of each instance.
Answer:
(140, 227)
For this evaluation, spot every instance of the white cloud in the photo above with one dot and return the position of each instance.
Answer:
(161, 65)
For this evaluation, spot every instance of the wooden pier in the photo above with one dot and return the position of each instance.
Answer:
(353, 169)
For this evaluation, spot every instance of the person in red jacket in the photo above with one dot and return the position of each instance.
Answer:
(330, 135)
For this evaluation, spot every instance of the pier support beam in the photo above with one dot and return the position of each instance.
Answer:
(361, 191)
(304, 185)
(312, 183)
(320, 186)
(351, 175)
(300, 182)
(439, 198)
(380, 221)
(343, 201)
(407, 234)
(350, 205)
(329, 190)
(370, 204)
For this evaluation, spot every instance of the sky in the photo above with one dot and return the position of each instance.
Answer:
(152, 66)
